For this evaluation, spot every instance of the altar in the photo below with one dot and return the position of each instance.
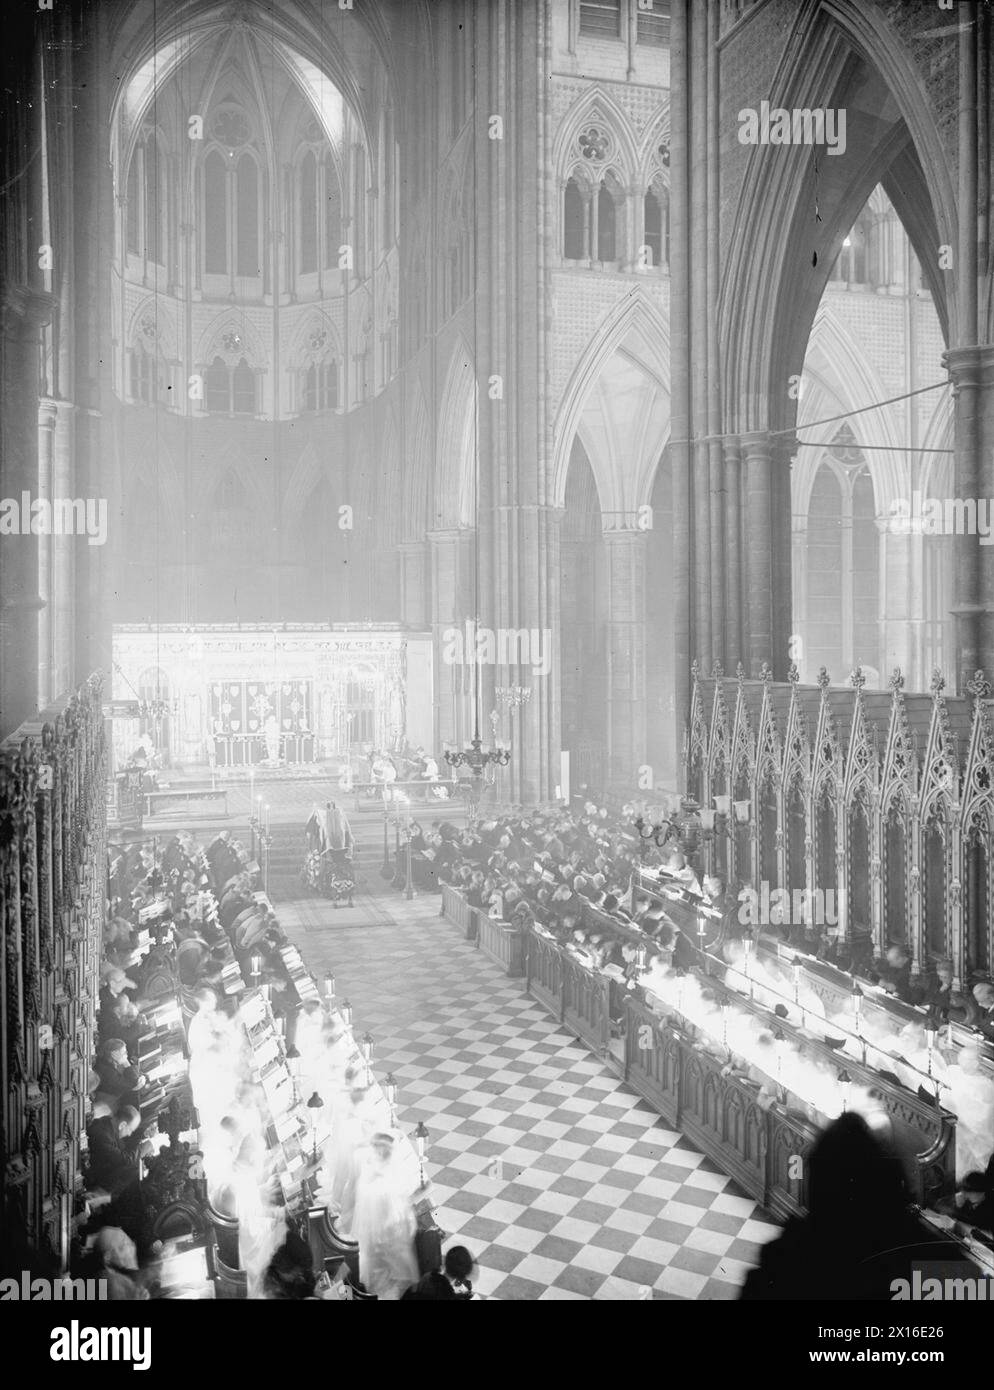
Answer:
(228, 696)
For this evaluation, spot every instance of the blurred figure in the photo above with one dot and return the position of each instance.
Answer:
(859, 1234)
(385, 1225)
(983, 1016)
(117, 1262)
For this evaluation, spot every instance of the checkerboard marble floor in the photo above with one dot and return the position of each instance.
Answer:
(562, 1182)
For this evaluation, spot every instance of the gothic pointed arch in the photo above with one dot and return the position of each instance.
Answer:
(777, 264)
(455, 499)
(595, 114)
(839, 377)
(862, 763)
(941, 764)
(634, 333)
(231, 335)
(899, 778)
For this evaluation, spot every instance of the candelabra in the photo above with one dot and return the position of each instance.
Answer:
(477, 758)
(685, 827)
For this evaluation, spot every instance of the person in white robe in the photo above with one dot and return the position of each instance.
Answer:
(385, 1225)
(970, 1097)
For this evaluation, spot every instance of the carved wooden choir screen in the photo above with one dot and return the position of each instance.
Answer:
(884, 799)
(52, 902)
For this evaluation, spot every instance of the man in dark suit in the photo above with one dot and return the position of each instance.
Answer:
(452, 1283)
(114, 1164)
(113, 1153)
(119, 1081)
(894, 972)
(983, 1019)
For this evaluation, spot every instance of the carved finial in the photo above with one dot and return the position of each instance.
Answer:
(765, 673)
(897, 680)
(717, 671)
(937, 684)
(979, 687)
(793, 674)
(857, 679)
(824, 679)
(740, 673)
(695, 669)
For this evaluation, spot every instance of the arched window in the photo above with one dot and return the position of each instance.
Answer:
(332, 213)
(320, 387)
(233, 194)
(243, 389)
(653, 228)
(216, 382)
(146, 201)
(308, 214)
(155, 203)
(358, 209)
(842, 558)
(230, 390)
(148, 378)
(606, 226)
(248, 217)
(865, 569)
(133, 209)
(573, 222)
(851, 267)
(215, 214)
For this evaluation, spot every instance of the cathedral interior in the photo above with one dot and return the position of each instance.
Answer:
(496, 650)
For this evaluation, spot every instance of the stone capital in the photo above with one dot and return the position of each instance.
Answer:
(757, 444)
(970, 366)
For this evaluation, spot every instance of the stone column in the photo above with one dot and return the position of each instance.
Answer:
(734, 586)
(972, 373)
(626, 722)
(783, 451)
(759, 557)
(452, 587)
